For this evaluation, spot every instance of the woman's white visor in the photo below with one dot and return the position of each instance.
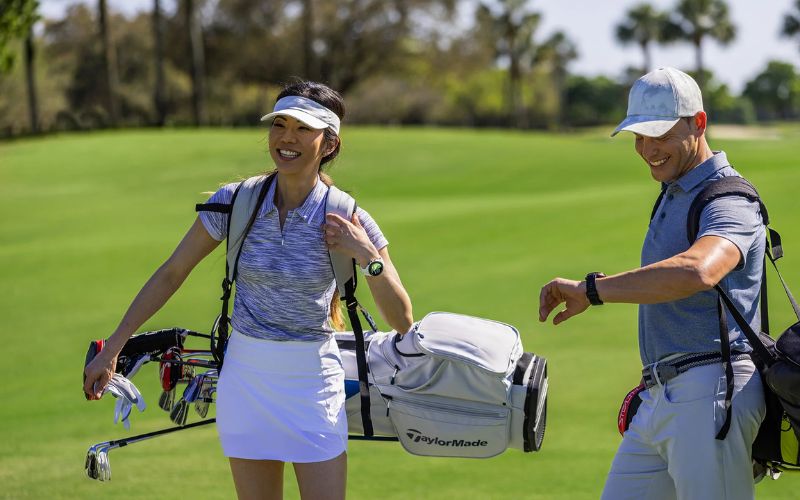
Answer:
(312, 113)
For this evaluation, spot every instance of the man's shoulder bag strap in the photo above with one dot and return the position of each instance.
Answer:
(738, 186)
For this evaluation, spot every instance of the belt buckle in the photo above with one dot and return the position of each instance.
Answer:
(664, 373)
(659, 373)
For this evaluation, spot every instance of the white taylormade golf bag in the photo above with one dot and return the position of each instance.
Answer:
(454, 386)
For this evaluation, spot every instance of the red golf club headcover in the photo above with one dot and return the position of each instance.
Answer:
(95, 346)
(628, 409)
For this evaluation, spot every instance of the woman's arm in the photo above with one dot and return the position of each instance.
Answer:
(387, 290)
(390, 295)
(154, 294)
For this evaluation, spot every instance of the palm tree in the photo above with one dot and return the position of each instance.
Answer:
(558, 51)
(159, 98)
(308, 39)
(791, 22)
(109, 63)
(512, 32)
(644, 25)
(30, 79)
(194, 32)
(701, 19)
(17, 18)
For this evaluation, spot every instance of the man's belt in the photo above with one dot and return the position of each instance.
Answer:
(662, 371)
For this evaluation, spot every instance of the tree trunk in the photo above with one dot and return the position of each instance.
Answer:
(308, 39)
(109, 65)
(159, 98)
(197, 64)
(698, 57)
(648, 60)
(30, 78)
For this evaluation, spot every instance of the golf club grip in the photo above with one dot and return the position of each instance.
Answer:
(153, 342)
(148, 435)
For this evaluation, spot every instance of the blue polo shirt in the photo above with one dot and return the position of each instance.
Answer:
(692, 324)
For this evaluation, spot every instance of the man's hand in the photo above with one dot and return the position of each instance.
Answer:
(572, 293)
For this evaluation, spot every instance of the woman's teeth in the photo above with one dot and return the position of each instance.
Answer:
(658, 163)
(288, 154)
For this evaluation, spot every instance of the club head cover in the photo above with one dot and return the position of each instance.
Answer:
(628, 408)
(95, 346)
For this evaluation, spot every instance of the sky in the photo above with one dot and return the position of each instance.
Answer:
(591, 25)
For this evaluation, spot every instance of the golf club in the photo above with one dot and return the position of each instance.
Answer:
(97, 464)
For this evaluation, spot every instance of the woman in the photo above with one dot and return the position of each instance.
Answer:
(281, 392)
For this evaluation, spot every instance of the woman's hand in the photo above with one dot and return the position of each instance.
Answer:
(349, 237)
(98, 374)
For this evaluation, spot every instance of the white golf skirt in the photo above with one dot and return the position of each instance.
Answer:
(281, 400)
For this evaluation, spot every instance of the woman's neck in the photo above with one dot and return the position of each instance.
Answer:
(292, 191)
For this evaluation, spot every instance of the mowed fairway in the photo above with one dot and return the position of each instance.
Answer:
(477, 221)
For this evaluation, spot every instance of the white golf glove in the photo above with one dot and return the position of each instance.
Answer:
(127, 396)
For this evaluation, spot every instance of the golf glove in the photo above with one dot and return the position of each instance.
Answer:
(127, 396)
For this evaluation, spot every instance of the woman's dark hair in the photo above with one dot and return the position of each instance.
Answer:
(321, 94)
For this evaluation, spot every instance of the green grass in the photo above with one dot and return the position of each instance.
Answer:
(478, 221)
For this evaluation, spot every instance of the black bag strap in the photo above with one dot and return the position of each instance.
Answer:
(723, 187)
(658, 201)
(220, 331)
(727, 364)
(729, 186)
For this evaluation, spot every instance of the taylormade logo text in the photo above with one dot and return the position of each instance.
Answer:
(419, 437)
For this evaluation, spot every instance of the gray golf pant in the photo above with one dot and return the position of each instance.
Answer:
(670, 451)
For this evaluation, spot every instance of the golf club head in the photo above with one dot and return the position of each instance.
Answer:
(193, 388)
(97, 465)
(167, 399)
(205, 398)
(179, 412)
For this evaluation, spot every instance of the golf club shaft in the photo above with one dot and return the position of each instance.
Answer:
(118, 443)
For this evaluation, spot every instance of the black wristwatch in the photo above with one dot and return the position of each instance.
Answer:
(591, 288)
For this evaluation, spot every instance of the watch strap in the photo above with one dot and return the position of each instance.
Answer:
(591, 288)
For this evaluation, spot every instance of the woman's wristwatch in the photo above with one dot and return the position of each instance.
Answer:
(373, 268)
(591, 288)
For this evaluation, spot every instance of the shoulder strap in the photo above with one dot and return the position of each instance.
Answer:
(342, 204)
(726, 186)
(247, 199)
(658, 201)
(243, 209)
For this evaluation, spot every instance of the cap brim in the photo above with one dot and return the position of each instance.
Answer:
(307, 118)
(650, 126)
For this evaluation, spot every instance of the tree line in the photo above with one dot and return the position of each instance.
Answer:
(203, 62)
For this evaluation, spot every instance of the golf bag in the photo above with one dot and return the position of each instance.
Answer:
(454, 386)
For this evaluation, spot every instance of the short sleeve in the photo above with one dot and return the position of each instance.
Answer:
(371, 227)
(734, 218)
(216, 223)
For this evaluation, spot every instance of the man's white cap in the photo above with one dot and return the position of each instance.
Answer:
(310, 112)
(658, 100)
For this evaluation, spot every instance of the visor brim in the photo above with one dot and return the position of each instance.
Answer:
(298, 114)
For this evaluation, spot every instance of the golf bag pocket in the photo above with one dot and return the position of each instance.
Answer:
(450, 355)
(435, 428)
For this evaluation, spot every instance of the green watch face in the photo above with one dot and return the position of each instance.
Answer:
(375, 268)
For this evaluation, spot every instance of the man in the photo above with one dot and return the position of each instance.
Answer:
(671, 449)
